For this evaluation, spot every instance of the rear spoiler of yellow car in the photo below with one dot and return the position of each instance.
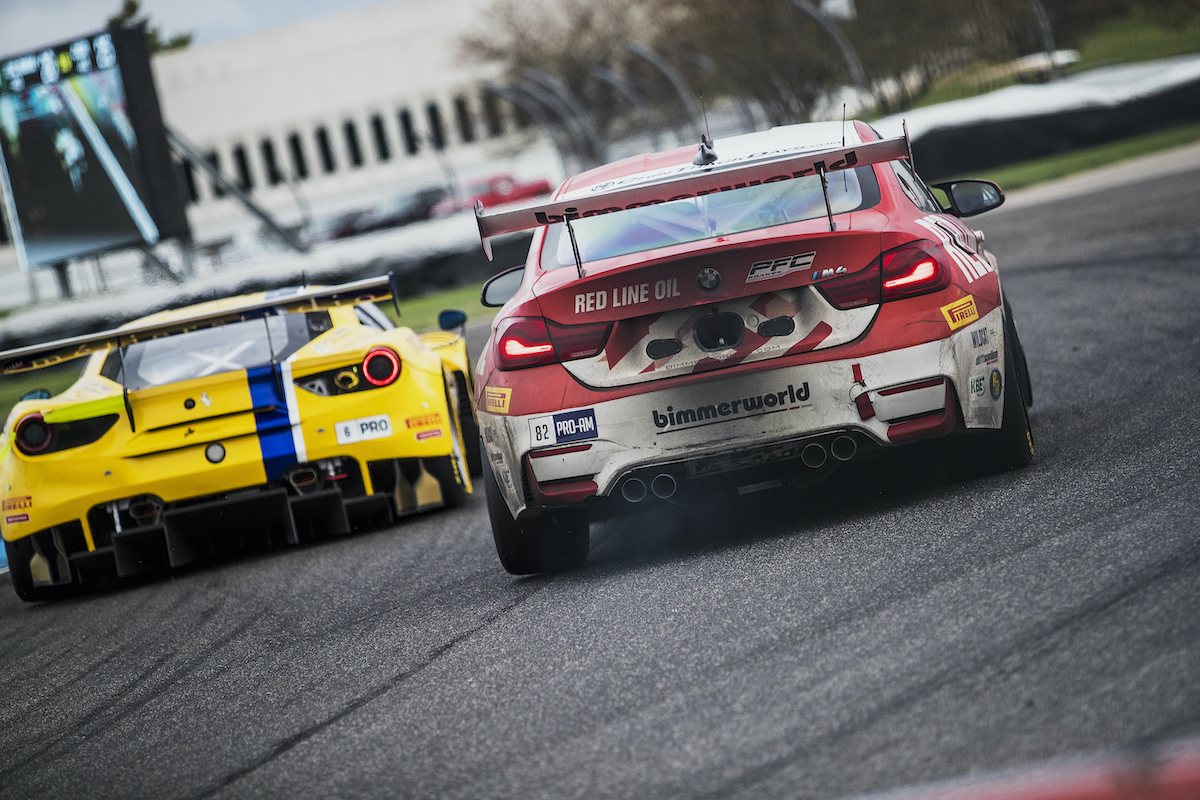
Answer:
(39, 356)
(685, 181)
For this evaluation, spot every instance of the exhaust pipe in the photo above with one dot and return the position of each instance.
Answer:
(146, 510)
(663, 486)
(843, 448)
(813, 456)
(634, 490)
(302, 477)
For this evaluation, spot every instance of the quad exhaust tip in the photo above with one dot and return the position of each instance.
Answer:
(663, 486)
(813, 456)
(843, 448)
(633, 490)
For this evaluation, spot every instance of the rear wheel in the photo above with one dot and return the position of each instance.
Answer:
(555, 541)
(1022, 366)
(19, 553)
(1010, 447)
(451, 471)
(468, 426)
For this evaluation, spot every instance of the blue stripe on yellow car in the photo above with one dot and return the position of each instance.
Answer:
(271, 420)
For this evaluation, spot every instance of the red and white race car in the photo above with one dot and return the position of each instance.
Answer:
(737, 320)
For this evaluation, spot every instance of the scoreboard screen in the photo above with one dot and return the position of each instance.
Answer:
(84, 164)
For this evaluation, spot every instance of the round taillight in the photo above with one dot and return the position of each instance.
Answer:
(381, 366)
(32, 434)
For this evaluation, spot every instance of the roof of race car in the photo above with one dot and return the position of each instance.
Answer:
(804, 137)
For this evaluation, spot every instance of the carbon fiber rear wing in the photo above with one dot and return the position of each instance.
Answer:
(39, 356)
(683, 182)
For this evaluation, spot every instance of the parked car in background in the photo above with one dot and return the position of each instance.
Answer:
(498, 190)
(403, 209)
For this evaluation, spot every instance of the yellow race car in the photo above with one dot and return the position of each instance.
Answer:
(232, 424)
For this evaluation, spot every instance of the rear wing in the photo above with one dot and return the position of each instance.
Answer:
(685, 181)
(286, 301)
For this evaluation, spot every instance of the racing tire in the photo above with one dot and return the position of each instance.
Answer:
(19, 553)
(555, 541)
(1010, 335)
(468, 426)
(450, 471)
(1012, 446)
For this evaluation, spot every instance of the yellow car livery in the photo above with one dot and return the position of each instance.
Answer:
(237, 423)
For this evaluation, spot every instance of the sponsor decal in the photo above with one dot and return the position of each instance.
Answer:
(960, 313)
(977, 386)
(204, 398)
(764, 270)
(954, 241)
(989, 358)
(431, 434)
(734, 408)
(17, 503)
(568, 426)
(708, 279)
(823, 274)
(364, 429)
(423, 421)
(631, 295)
(495, 400)
(979, 337)
(15, 518)
(997, 384)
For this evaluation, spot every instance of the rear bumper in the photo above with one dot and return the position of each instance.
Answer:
(140, 533)
(769, 416)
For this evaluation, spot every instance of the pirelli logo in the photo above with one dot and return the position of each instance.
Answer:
(18, 503)
(495, 400)
(960, 313)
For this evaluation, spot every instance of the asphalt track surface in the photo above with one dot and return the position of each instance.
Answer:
(897, 625)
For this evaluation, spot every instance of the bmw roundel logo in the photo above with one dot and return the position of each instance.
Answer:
(708, 279)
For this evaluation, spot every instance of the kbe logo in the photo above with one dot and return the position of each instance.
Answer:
(977, 386)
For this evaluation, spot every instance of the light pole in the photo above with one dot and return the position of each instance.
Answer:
(856, 71)
(628, 92)
(672, 75)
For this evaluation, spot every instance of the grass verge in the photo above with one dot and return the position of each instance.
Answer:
(420, 313)
(55, 379)
(1017, 176)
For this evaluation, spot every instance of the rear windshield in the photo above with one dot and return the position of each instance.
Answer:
(708, 217)
(209, 351)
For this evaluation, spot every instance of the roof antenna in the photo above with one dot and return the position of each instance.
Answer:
(843, 124)
(707, 154)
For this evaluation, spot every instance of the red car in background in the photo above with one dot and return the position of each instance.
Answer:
(498, 190)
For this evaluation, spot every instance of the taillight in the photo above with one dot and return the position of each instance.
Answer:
(853, 291)
(916, 268)
(381, 367)
(578, 341)
(913, 269)
(32, 434)
(524, 342)
(534, 342)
